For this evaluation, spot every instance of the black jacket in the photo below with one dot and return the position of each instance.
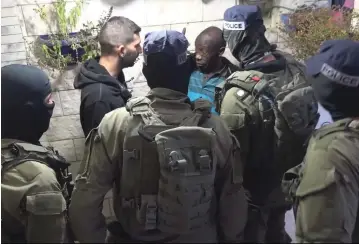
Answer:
(100, 93)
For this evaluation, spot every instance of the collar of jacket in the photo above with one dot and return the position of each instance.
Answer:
(172, 106)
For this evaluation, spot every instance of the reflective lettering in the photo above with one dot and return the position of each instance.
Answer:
(339, 77)
(234, 25)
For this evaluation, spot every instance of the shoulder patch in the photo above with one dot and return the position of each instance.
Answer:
(47, 203)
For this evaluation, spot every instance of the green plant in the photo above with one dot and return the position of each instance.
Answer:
(89, 36)
(312, 26)
(50, 53)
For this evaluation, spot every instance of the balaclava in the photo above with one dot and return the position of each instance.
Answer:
(165, 60)
(243, 30)
(334, 74)
(25, 115)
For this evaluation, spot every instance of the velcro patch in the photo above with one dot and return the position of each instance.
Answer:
(47, 203)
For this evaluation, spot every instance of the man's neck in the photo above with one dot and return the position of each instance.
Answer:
(219, 66)
(216, 68)
(111, 65)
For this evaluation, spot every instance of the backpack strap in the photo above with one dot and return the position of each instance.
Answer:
(250, 81)
(201, 112)
(21, 152)
(338, 126)
(141, 106)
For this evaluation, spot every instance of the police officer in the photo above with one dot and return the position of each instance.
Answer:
(264, 155)
(33, 206)
(328, 191)
(171, 183)
(244, 32)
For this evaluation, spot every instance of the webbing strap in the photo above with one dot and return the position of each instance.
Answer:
(201, 112)
(141, 106)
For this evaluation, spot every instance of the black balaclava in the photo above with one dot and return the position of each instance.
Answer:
(334, 76)
(24, 113)
(161, 70)
(340, 101)
(249, 45)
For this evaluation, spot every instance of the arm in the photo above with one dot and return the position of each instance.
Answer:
(328, 195)
(232, 200)
(94, 114)
(45, 207)
(99, 168)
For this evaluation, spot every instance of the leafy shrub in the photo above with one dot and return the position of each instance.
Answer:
(309, 27)
(50, 53)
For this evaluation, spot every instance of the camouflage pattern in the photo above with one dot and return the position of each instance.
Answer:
(327, 195)
(271, 130)
(103, 166)
(33, 207)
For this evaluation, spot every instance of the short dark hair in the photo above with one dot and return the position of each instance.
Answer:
(213, 36)
(118, 30)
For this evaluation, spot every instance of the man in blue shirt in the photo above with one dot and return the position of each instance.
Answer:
(212, 68)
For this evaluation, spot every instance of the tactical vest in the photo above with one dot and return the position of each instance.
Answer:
(273, 118)
(322, 139)
(14, 154)
(168, 171)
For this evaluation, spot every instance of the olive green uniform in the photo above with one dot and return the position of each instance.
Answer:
(328, 193)
(32, 204)
(102, 166)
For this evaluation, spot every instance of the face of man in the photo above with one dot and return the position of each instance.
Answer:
(129, 53)
(207, 55)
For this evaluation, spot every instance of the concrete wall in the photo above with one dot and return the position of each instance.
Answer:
(19, 21)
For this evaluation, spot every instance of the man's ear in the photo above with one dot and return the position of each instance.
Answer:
(221, 51)
(120, 50)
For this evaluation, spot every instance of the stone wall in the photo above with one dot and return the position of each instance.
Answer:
(19, 21)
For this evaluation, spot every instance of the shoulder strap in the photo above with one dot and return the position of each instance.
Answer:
(341, 125)
(251, 81)
(201, 112)
(141, 106)
(18, 154)
(21, 152)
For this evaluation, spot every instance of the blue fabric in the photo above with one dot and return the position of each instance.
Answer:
(341, 55)
(197, 88)
(243, 13)
(171, 42)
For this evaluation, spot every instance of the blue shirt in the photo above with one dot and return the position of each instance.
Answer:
(201, 87)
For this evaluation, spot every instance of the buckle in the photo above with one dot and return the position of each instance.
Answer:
(128, 203)
(134, 154)
(204, 161)
(151, 217)
(177, 161)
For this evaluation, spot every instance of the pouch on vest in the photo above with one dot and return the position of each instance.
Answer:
(168, 171)
(315, 181)
(17, 153)
(280, 114)
(14, 154)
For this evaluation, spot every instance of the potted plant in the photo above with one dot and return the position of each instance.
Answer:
(306, 28)
(63, 47)
(60, 47)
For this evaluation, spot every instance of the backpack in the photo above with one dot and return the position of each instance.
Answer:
(321, 139)
(21, 152)
(168, 171)
(274, 117)
(14, 154)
